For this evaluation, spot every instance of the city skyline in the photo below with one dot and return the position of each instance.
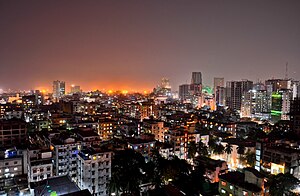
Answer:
(118, 45)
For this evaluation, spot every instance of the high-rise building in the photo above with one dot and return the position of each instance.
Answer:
(295, 115)
(196, 78)
(75, 89)
(184, 91)
(196, 84)
(94, 170)
(278, 84)
(256, 103)
(220, 96)
(218, 82)
(235, 91)
(281, 105)
(59, 89)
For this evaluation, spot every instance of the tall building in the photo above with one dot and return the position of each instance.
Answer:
(218, 82)
(196, 83)
(184, 91)
(59, 89)
(12, 132)
(278, 84)
(196, 78)
(235, 91)
(94, 170)
(75, 89)
(281, 105)
(256, 103)
(220, 96)
(295, 115)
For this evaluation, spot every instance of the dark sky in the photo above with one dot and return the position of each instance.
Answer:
(132, 44)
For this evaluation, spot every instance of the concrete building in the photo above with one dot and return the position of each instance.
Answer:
(196, 84)
(234, 92)
(250, 182)
(295, 115)
(256, 103)
(40, 166)
(94, 170)
(75, 89)
(279, 159)
(12, 131)
(59, 89)
(65, 150)
(184, 92)
(278, 84)
(11, 164)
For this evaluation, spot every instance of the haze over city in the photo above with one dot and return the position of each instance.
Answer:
(132, 44)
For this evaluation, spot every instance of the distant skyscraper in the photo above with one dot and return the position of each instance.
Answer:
(234, 92)
(184, 91)
(58, 89)
(196, 84)
(75, 89)
(278, 84)
(218, 82)
(196, 78)
(220, 96)
(219, 91)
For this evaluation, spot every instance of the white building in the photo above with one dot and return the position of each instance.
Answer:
(40, 165)
(65, 157)
(94, 170)
(10, 166)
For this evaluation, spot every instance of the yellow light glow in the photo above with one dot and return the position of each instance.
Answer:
(145, 92)
(110, 91)
(124, 91)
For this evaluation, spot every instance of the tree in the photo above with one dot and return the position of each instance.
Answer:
(228, 150)
(127, 172)
(240, 151)
(202, 149)
(282, 184)
(192, 150)
(250, 158)
(219, 149)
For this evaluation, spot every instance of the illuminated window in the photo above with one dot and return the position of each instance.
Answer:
(245, 193)
(6, 170)
(223, 191)
(231, 187)
(15, 169)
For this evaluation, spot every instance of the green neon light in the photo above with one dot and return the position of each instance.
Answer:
(276, 95)
(276, 113)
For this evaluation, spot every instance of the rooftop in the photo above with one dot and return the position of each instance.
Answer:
(238, 179)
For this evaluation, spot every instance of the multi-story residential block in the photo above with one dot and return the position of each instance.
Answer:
(94, 170)
(106, 128)
(40, 166)
(65, 150)
(295, 115)
(156, 128)
(250, 182)
(59, 89)
(11, 164)
(12, 131)
(235, 91)
(280, 159)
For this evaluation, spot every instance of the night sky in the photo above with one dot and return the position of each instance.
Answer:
(132, 44)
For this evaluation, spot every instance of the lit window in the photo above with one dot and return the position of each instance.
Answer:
(245, 193)
(223, 191)
(231, 187)
(15, 169)
(6, 170)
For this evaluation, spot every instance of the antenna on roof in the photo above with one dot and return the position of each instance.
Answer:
(286, 70)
